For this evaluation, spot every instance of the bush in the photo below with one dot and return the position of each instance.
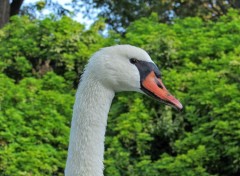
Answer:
(200, 62)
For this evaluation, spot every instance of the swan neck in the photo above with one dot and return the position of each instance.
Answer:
(86, 146)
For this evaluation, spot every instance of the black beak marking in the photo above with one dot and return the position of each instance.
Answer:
(145, 68)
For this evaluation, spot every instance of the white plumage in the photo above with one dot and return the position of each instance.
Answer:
(108, 71)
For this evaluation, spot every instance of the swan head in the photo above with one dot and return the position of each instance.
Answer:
(129, 68)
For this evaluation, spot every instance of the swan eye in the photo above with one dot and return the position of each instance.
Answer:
(133, 61)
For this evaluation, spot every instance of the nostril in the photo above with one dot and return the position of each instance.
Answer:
(158, 83)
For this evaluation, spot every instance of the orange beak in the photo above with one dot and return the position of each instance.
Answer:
(155, 88)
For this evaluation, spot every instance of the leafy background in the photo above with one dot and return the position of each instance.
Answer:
(41, 62)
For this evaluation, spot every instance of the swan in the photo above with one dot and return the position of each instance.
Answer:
(109, 70)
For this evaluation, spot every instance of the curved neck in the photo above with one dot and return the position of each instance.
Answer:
(86, 147)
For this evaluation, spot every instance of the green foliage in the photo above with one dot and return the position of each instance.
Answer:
(120, 14)
(200, 61)
(62, 46)
(34, 125)
(200, 64)
(41, 62)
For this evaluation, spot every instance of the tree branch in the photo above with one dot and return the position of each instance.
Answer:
(15, 7)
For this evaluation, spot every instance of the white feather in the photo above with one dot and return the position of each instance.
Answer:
(107, 72)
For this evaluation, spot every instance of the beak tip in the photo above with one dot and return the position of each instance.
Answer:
(179, 107)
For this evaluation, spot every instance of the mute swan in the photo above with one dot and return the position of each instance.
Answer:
(110, 70)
